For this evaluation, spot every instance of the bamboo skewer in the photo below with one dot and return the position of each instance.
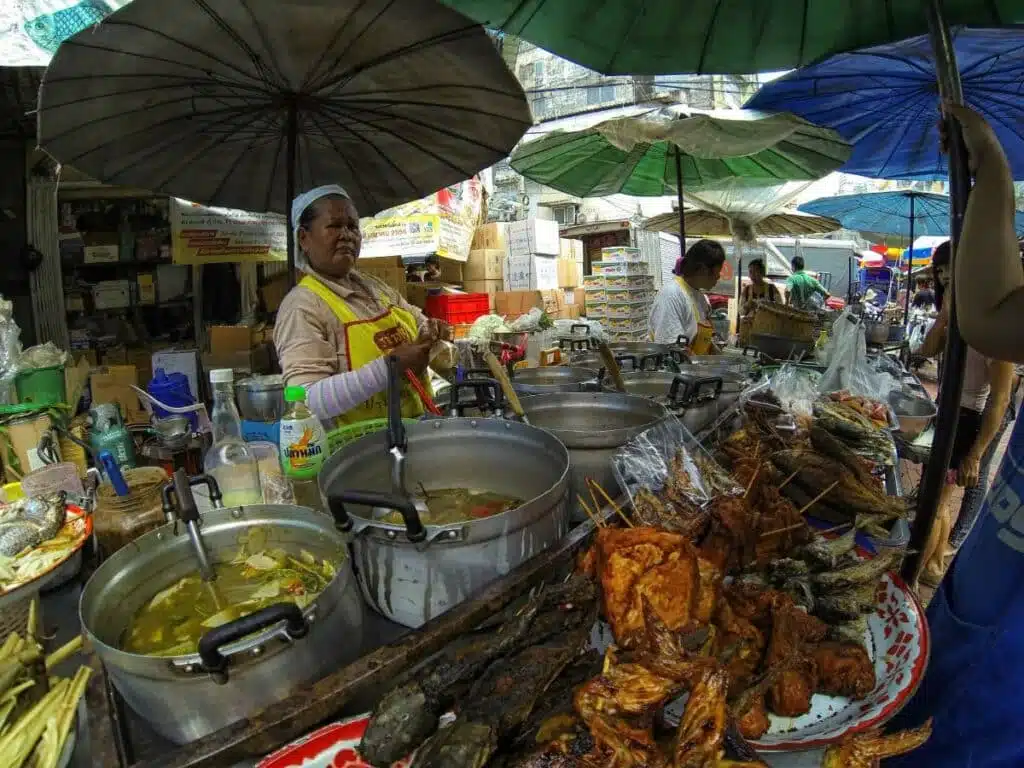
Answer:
(817, 498)
(753, 477)
(583, 505)
(793, 527)
(592, 484)
(785, 482)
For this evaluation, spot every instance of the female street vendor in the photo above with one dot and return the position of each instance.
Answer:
(335, 327)
(680, 309)
(758, 289)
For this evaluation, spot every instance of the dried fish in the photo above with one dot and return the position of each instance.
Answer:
(850, 631)
(28, 522)
(848, 605)
(825, 553)
(867, 572)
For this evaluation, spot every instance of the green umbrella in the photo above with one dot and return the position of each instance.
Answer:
(654, 37)
(660, 152)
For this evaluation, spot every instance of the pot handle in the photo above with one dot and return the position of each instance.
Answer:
(210, 643)
(691, 387)
(682, 340)
(620, 359)
(396, 427)
(487, 390)
(584, 326)
(581, 344)
(169, 493)
(414, 529)
(655, 360)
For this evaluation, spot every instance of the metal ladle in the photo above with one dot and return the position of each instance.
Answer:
(188, 513)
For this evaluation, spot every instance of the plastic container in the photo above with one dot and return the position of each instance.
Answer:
(303, 448)
(458, 308)
(172, 390)
(41, 386)
(276, 488)
(119, 520)
(230, 460)
(53, 479)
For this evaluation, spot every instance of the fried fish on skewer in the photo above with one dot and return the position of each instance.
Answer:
(866, 750)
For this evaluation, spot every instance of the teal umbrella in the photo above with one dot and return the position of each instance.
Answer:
(660, 152)
(654, 37)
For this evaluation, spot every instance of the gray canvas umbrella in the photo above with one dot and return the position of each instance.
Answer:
(238, 103)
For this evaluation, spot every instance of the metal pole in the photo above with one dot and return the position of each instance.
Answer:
(955, 355)
(679, 199)
(292, 139)
(910, 266)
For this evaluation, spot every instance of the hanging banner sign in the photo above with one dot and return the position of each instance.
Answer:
(31, 30)
(202, 235)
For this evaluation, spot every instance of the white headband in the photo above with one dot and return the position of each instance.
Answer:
(299, 206)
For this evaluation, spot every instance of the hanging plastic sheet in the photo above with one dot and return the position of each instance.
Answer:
(31, 30)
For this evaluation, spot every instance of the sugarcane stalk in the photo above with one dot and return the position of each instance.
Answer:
(17, 744)
(68, 710)
(10, 645)
(66, 651)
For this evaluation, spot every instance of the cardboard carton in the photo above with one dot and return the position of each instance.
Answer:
(531, 272)
(485, 264)
(491, 237)
(113, 384)
(533, 236)
(568, 273)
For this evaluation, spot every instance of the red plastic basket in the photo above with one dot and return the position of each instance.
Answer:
(459, 307)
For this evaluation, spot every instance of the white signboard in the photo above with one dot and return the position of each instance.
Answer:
(31, 30)
(202, 235)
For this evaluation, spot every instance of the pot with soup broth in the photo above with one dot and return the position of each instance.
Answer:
(145, 610)
(490, 494)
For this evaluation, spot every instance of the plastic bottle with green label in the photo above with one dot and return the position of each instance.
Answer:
(303, 448)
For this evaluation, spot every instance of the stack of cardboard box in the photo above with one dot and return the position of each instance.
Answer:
(619, 293)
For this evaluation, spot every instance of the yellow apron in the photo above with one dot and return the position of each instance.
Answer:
(365, 341)
(701, 343)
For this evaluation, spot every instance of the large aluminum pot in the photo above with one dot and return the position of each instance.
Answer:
(411, 583)
(261, 398)
(542, 381)
(262, 661)
(696, 398)
(593, 426)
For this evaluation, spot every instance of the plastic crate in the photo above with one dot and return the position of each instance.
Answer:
(458, 308)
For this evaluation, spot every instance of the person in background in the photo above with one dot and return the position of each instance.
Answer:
(680, 308)
(925, 296)
(984, 399)
(974, 683)
(803, 289)
(335, 328)
(757, 289)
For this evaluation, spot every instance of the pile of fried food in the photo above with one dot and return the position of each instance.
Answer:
(862, 424)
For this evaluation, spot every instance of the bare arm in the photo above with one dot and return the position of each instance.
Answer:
(995, 408)
(935, 340)
(988, 280)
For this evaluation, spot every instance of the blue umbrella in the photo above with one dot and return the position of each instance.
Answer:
(905, 212)
(884, 100)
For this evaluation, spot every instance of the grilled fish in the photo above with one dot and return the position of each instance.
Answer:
(28, 522)
(409, 713)
(499, 703)
(867, 572)
(826, 553)
(848, 605)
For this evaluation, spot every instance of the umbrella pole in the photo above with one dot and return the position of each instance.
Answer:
(679, 200)
(956, 352)
(910, 267)
(292, 137)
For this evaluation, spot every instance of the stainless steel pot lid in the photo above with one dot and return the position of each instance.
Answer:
(261, 383)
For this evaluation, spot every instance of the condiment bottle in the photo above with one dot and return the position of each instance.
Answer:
(303, 448)
(230, 460)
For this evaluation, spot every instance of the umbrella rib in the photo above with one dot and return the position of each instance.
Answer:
(169, 38)
(367, 193)
(232, 113)
(356, 104)
(181, 82)
(803, 32)
(274, 64)
(242, 44)
(395, 54)
(50, 108)
(267, 204)
(707, 39)
(896, 145)
(342, 112)
(326, 111)
(147, 108)
(189, 159)
(308, 84)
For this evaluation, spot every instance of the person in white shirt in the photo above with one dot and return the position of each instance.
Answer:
(680, 308)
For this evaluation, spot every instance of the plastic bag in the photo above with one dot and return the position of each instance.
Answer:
(848, 365)
(796, 387)
(42, 356)
(646, 461)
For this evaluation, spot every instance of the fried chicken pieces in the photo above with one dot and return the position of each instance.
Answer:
(645, 565)
(866, 750)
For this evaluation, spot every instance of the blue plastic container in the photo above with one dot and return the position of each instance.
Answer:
(171, 390)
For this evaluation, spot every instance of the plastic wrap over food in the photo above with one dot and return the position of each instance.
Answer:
(10, 349)
(42, 356)
(796, 388)
(665, 455)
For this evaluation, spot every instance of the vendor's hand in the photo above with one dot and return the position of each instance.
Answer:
(979, 137)
(413, 357)
(969, 471)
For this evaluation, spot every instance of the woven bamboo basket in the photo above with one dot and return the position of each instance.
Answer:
(779, 320)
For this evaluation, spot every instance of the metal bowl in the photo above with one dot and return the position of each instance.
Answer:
(261, 398)
(914, 413)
